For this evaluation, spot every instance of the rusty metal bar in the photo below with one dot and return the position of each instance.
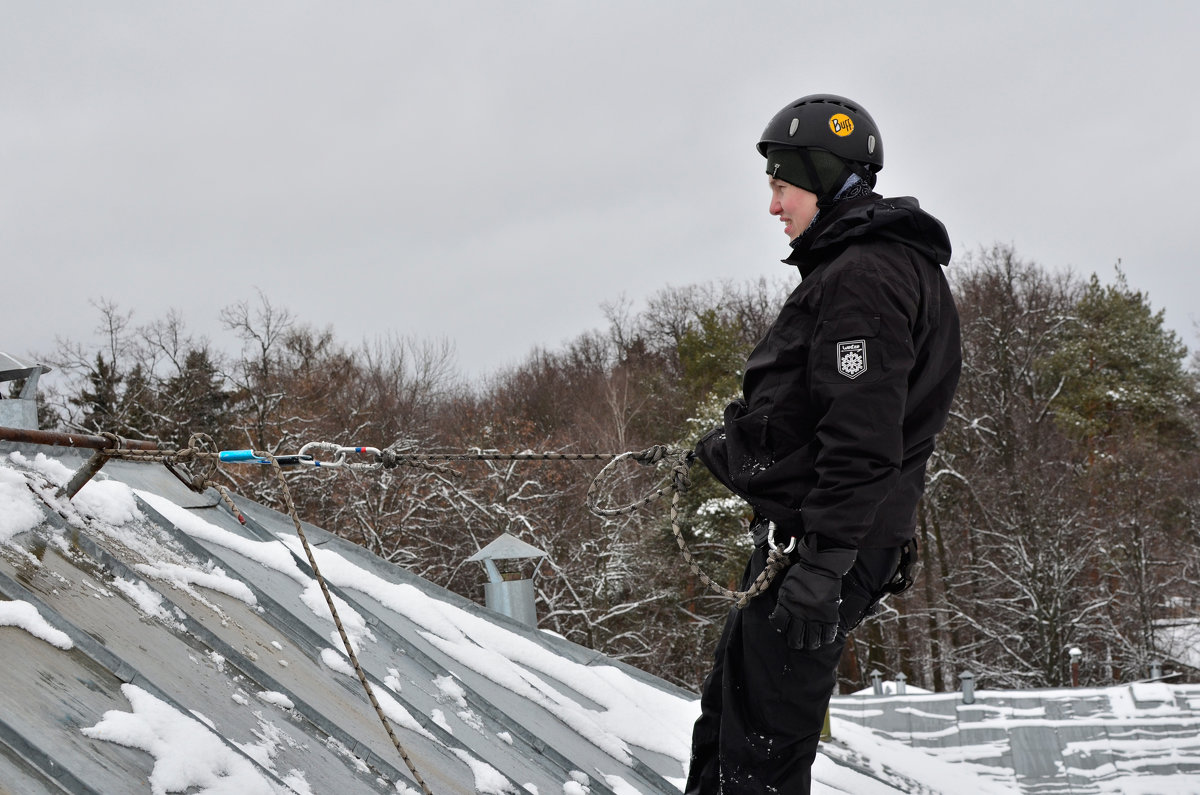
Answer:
(84, 474)
(57, 439)
(76, 440)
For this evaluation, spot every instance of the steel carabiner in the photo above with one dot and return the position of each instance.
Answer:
(771, 528)
(339, 452)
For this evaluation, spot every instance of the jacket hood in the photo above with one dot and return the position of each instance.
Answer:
(898, 219)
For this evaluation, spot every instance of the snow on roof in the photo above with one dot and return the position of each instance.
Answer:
(152, 643)
(1143, 737)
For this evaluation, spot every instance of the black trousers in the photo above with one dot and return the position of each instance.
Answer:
(763, 704)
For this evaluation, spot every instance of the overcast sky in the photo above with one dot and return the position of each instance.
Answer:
(493, 173)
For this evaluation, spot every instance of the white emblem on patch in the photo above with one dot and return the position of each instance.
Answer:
(852, 358)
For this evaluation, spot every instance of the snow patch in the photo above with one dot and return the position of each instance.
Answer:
(276, 698)
(23, 615)
(20, 510)
(188, 756)
(146, 599)
(271, 554)
(184, 577)
(488, 780)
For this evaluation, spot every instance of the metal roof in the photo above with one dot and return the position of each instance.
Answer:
(233, 659)
(1142, 737)
(156, 601)
(11, 367)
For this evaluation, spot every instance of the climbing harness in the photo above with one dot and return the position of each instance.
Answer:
(200, 455)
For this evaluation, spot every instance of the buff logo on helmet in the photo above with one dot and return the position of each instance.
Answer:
(852, 358)
(841, 125)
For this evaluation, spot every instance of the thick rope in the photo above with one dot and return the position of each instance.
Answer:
(193, 453)
(358, 670)
(680, 482)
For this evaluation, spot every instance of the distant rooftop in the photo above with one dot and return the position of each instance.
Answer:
(1138, 738)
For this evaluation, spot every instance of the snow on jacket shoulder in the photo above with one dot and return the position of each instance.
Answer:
(843, 397)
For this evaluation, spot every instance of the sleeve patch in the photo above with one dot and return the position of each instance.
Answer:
(852, 358)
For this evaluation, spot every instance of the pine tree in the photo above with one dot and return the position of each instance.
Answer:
(196, 398)
(1121, 370)
(100, 398)
(1127, 400)
(139, 407)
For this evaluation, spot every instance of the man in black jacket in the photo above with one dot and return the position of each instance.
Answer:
(841, 402)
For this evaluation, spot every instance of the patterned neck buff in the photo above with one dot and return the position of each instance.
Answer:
(854, 187)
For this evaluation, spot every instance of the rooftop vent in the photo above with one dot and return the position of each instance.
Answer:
(21, 411)
(508, 590)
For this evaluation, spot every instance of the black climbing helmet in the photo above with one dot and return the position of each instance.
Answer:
(838, 125)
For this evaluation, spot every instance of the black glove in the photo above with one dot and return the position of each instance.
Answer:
(811, 593)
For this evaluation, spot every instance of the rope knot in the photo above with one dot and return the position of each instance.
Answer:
(681, 478)
(396, 456)
(200, 448)
(683, 459)
(652, 455)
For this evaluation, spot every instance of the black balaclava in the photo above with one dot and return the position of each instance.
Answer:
(815, 170)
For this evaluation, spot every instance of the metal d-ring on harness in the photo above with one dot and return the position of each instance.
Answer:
(774, 545)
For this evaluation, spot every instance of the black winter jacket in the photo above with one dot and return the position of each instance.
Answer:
(844, 395)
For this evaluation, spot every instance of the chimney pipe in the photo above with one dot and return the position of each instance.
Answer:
(507, 590)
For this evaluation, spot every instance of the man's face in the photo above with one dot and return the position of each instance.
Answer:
(796, 207)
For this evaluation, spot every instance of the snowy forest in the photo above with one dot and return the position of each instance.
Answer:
(1061, 510)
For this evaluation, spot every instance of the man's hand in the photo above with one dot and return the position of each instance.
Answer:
(811, 593)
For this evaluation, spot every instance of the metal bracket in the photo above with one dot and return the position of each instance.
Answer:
(84, 474)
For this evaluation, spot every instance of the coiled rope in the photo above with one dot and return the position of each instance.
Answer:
(676, 483)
